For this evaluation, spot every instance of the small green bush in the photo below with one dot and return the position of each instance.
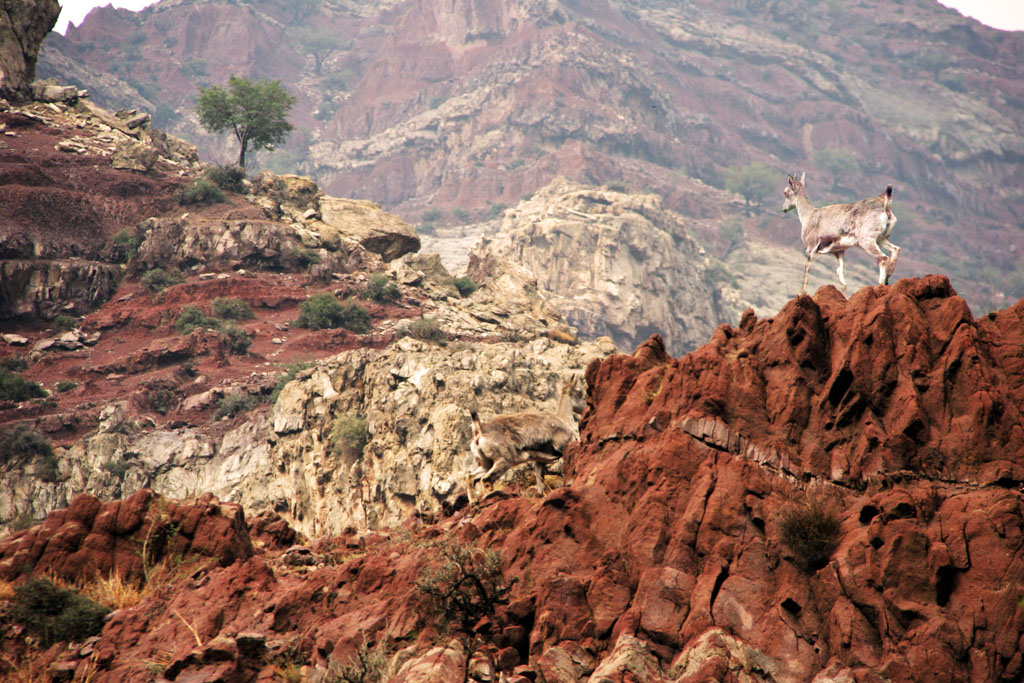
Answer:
(117, 468)
(324, 311)
(201, 191)
(229, 178)
(55, 614)
(239, 340)
(431, 216)
(380, 289)
(14, 387)
(14, 363)
(158, 279)
(65, 386)
(464, 285)
(232, 309)
(425, 329)
(126, 245)
(811, 530)
(64, 323)
(161, 400)
(460, 215)
(307, 257)
(348, 436)
(427, 229)
(23, 443)
(233, 404)
(192, 317)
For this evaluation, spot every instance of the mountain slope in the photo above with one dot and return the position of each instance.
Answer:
(482, 102)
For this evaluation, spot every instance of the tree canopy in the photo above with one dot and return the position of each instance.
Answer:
(752, 181)
(255, 111)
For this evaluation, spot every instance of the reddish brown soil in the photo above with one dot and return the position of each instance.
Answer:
(140, 347)
(70, 203)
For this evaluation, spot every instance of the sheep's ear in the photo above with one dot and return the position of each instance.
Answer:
(802, 176)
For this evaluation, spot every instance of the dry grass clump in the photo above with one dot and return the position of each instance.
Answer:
(811, 529)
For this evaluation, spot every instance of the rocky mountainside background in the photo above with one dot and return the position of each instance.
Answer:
(447, 114)
(235, 415)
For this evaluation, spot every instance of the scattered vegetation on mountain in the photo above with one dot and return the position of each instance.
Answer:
(465, 286)
(232, 309)
(324, 311)
(192, 317)
(14, 387)
(227, 177)
(158, 279)
(468, 585)
(201, 191)
(380, 289)
(348, 436)
(233, 404)
(753, 181)
(811, 530)
(56, 614)
(425, 329)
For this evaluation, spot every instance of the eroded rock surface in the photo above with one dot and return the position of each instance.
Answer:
(662, 558)
(616, 264)
(23, 25)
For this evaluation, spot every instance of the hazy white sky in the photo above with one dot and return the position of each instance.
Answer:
(1004, 14)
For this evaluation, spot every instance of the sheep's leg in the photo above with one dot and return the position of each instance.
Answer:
(807, 268)
(538, 470)
(871, 246)
(839, 270)
(894, 255)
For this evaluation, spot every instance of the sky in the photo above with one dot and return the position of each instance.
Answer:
(1004, 14)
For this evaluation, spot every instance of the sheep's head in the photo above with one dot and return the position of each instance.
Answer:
(790, 192)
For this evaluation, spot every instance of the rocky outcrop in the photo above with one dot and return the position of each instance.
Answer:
(59, 167)
(227, 244)
(90, 538)
(376, 231)
(664, 558)
(415, 399)
(43, 289)
(615, 264)
(23, 25)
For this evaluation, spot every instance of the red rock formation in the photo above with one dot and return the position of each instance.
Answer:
(90, 538)
(662, 559)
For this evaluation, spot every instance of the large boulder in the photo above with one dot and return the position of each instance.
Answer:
(23, 25)
(375, 229)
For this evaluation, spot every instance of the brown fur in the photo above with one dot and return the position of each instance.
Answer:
(517, 438)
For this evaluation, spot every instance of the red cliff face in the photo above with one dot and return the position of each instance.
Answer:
(663, 556)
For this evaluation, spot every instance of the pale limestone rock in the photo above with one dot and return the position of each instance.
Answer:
(632, 655)
(610, 263)
(738, 656)
(375, 229)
